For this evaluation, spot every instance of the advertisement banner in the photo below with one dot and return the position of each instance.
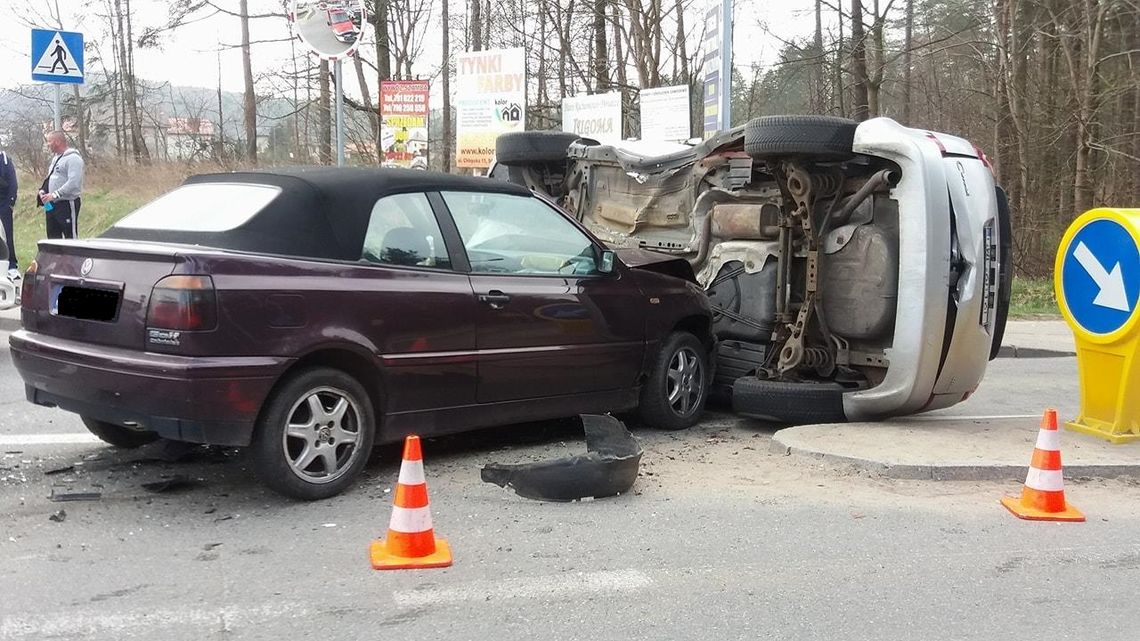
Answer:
(717, 67)
(404, 121)
(490, 90)
(597, 116)
(665, 113)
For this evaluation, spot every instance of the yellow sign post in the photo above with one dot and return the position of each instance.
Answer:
(1097, 282)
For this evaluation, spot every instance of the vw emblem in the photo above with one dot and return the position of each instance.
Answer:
(86, 268)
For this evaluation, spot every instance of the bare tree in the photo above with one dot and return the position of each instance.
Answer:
(250, 102)
(859, 80)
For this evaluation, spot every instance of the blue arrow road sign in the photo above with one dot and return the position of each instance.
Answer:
(57, 56)
(1100, 276)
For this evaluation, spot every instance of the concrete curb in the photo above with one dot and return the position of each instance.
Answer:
(1013, 351)
(785, 444)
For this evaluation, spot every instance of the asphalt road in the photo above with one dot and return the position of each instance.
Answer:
(720, 539)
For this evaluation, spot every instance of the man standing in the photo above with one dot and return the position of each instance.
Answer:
(62, 188)
(7, 203)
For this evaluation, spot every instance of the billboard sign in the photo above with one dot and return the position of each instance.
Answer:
(403, 120)
(597, 116)
(490, 100)
(717, 67)
(665, 113)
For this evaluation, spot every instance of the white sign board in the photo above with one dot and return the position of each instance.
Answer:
(665, 113)
(490, 89)
(597, 116)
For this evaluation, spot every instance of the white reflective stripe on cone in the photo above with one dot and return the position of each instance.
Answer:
(412, 473)
(1049, 440)
(410, 519)
(1045, 480)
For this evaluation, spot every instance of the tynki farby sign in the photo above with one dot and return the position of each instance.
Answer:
(490, 100)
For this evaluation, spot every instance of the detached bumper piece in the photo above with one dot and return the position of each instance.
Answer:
(608, 468)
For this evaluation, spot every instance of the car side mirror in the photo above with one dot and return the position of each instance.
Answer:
(606, 262)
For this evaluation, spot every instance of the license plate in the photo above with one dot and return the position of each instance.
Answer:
(84, 303)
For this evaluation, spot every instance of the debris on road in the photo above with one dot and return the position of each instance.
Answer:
(176, 482)
(609, 467)
(58, 517)
(59, 470)
(60, 497)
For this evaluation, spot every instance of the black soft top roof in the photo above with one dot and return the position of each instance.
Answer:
(321, 212)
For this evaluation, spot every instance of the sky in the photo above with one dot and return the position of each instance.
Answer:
(189, 56)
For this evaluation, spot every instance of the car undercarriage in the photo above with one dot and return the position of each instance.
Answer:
(794, 237)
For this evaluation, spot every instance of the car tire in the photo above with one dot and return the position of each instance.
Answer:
(821, 137)
(118, 435)
(528, 147)
(1005, 257)
(786, 402)
(293, 435)
(674, 395)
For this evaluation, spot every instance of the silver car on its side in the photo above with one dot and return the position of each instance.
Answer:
(856, 270)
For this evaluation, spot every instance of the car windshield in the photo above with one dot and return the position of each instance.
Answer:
(202, 207)
(338, 17)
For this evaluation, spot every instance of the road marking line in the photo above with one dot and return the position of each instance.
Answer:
(527, 588)
(992, 417)
(77, 438)
(75, 624)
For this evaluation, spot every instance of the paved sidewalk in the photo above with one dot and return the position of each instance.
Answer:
(10, 320)
(952, 448)
(1037, 338)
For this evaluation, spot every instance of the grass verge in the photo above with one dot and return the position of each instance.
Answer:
(1033, 298)
(109, 193)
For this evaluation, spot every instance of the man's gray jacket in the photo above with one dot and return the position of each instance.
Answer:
(66, 178)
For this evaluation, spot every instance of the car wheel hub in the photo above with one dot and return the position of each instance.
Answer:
(321, 433)
(684, 381)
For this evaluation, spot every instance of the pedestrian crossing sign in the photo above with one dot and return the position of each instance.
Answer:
(57, 56)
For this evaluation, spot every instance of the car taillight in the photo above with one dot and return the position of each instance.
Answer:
(26, 288)
(186, 303)
(983, 157)
(941, 147)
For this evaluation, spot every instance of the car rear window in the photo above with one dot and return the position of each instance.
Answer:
(202, 207)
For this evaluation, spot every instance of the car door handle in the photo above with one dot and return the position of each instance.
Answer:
(495, 298)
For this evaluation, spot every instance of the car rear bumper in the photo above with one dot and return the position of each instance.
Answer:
(211, 400)
(943, 335)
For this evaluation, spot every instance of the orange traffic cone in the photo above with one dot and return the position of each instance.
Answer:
(411, 542)
(1043, 498)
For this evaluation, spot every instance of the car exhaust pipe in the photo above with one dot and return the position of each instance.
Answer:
(876, 181)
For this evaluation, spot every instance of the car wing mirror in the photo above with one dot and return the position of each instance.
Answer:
(606, 261)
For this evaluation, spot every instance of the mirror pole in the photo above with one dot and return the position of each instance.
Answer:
(339, 114)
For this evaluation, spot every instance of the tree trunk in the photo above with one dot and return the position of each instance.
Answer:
(878, 59)
(861, 107)
(816, 98)
(840, 90)
(80, 120)
(908, 45)
(324, 121)
(476, 26)
(379, 20)
(126, 70)
(601, 68)
(619, 57)
(221, 148)
(250, 103)
(447, 146)
(1134, 45)
(366, 97)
